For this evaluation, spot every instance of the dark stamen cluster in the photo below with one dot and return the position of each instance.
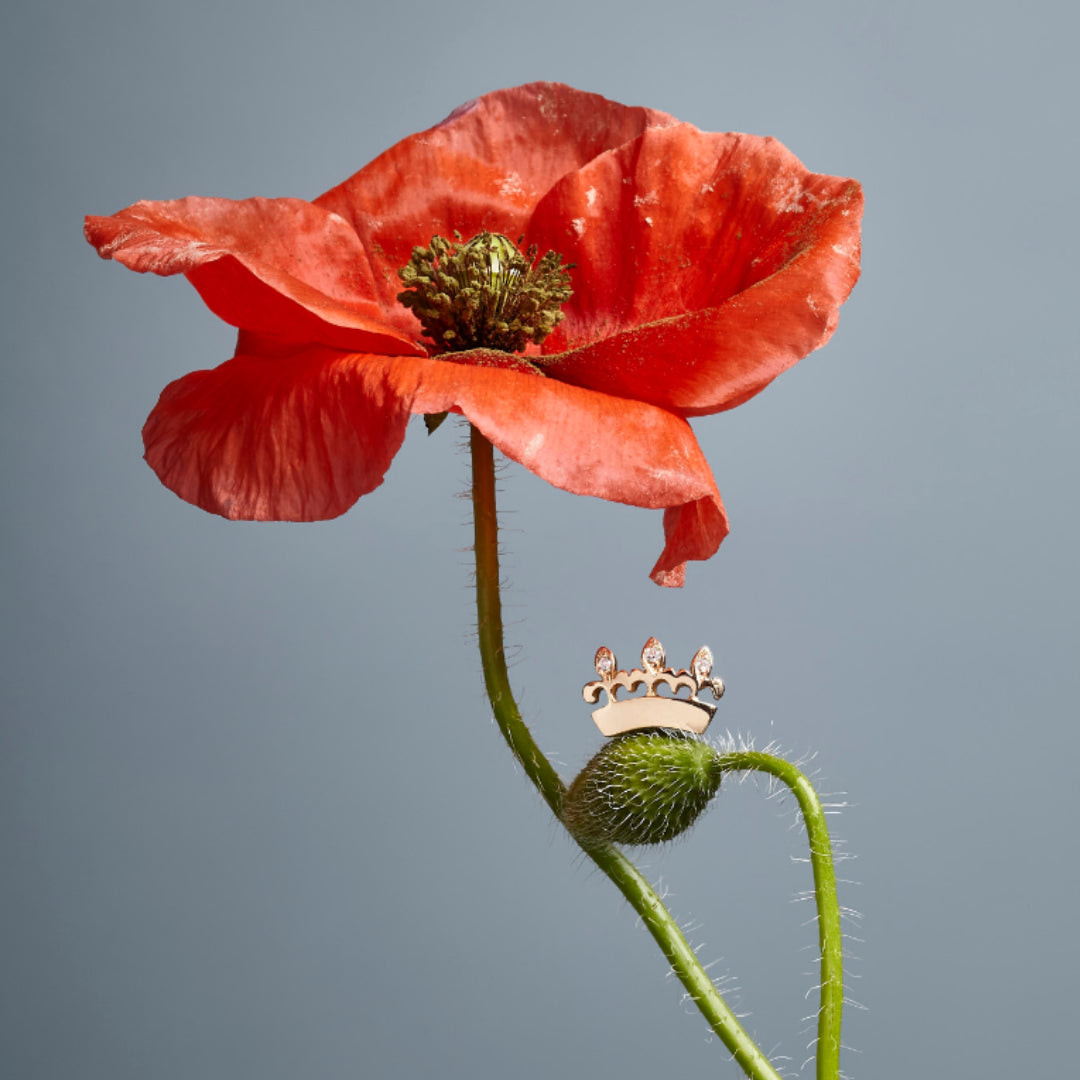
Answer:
(485, 293)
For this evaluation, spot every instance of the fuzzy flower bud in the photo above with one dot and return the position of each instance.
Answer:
(645, 787)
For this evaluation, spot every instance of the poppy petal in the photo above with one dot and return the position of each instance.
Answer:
(582, 441)
(277, 266)
(484, 167)
(706, 265)
(296, 437)
(301, 436)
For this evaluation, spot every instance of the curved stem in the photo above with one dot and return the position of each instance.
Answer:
(622, 872)
(830, 940)
(490, 628)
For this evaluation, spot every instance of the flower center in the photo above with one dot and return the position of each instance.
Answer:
(485, 294)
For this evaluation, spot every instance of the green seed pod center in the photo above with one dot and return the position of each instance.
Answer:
(485, 294)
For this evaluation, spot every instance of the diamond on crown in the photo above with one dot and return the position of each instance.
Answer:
(652, 656)
(605, 662)
(653, 710)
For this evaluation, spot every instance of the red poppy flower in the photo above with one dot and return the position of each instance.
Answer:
(706, 264)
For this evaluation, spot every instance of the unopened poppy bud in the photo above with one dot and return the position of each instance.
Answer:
(485, 294)
(645, 787)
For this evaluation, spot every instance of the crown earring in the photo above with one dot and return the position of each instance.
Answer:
(652, 710)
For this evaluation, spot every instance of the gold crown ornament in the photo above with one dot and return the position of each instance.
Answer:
(653, 710)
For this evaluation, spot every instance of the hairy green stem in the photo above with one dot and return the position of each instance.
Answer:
(490, 628)
(608, 858)
(830, 940)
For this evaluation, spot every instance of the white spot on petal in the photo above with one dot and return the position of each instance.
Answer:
(590, 197)
(511, 186)
(531, 449)
(578, 225)
(549, 108)
(788, 197)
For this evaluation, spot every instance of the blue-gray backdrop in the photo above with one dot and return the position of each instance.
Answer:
(255, 818)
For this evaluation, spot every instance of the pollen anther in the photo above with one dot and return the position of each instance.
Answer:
(485, 294)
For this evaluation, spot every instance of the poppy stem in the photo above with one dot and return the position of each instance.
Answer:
(490, 628)
(830, 938)
(627, 878)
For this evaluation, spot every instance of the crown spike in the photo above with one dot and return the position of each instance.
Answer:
(652, 656)
(605, 663)
(701, 665)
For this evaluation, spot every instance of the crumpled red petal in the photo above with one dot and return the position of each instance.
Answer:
(302, 437)
(484, 167)
(293, 438)
(707, 265)
(277, 266)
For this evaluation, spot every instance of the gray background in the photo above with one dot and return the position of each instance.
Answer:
(256, 821)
